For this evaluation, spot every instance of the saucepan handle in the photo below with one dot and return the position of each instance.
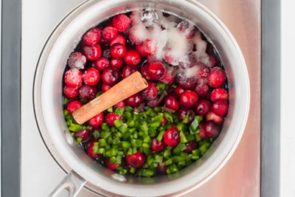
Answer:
(72, 183)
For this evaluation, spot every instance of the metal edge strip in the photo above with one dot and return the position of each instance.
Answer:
(10, 97)
(271, 72)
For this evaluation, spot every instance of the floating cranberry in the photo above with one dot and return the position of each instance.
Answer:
(121, 104)
(96, 121)
(73, 78)
(203, 107)
(171, 103)
(132, 57)
(211, 116)
(186, 83)
(220, 107)
(183, 113)
(91, 151)
(128, 70)
(105, 87)
(92, 53)
(71, 92)
(171, 137)
(203, 72)
(188, 99)
(91, 76)
(202, 132)
(121, 22)
(147, 48)
(211, 129)
(102, 63)
(109, 33)
(87, 92)
(168, 77)
(216, 77)
(155, 70)
(111, 118)
(77, 60)
(118, 40)
(111, 166)
(110, 76)
(153, 103)
(179, 90)
(157, 146)
(202, 89)
(92, 37)
(219, 94)
(144, 72)
(151, 92)
(190, 146)
(83, 134)
(73, 106)
(118, 51)
(116, 63)
(135, 160)
(134, 100)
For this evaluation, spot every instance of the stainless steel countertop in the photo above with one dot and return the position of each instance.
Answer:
(240, 176)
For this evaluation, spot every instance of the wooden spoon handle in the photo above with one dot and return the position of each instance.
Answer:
(122, 90)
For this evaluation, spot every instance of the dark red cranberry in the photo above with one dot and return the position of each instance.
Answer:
(111, 118)
(211, 116)
(132, 57)
(190, 146)
(179, 91)
(109, 33)
(220, 107)
(161, 168)
(83, 134)
(171, 103)
(186, 83)
(202, 132)
(73, 78)
(71, 92)
(151, 92)
(102, 63)
(92, 37)
(171, 137)
(211, 129)
(157, 146)
(96, 121)
(164, 121)
(91, 150)
(111, 166)
(219, 94)
(110, 76)
(116, 63)
(203, 72)
(213, 61)
(188, 99)
(202, 89)
(118, 51)
(156, 70)
(144, 72)
(168, 77)
(92, 53)
(118, 40)
(91, 76)
(203, 107)
(105, 87)
(183, 113)
(87, 92)
(77, 60)
(216, 77)
(134, 100)
(121, 104)
(153, 103)
(73, 106)
(121, 22)
(135, 160)
(128, 70)
(147, 48)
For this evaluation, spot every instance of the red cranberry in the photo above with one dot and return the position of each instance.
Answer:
(151, 92)
(121, 104)
(121, 22)
(186, 83)
(96, 121)
(179, 91)
(171, 103)
(156, 70)
(202, 89)
(91, 151)
(92, 37)
(202, 132)
(213, 61)
(83, 134)
(102, 63)
(134, 100)
(188, 99)
(220, 107)
(77, 60)
(203, 72)
(157, 146)
(105, 87)
(92, 52)
(211, 129)
(109, 33)
(111, 166)
(91, 76)
(147, 48)
(128, 70)
(211, 116)
(132, 57)
(73, 106)
(73, 78)
(118, 51)
(118, 40)
(171, 137)
(111, 118)
(190, 146)
(183, 113)
(144, 72)
(110, 76)
(203, 107)
(216, 77)
(135, 160)
(116, 63)
(219, 94)
(87, 92)
(168, 77)
(153, 103)
(71, 92)
(164, 121)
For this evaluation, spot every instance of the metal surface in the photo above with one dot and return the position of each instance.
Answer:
(243, 168)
